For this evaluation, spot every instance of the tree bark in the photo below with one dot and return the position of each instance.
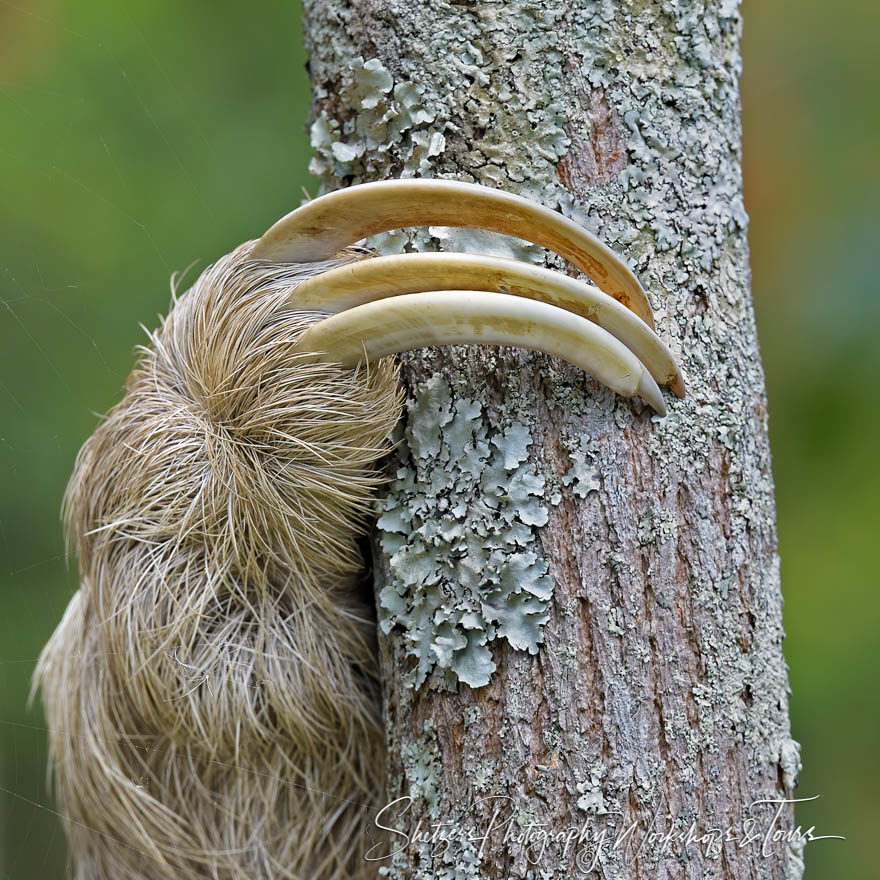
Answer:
(579, 605)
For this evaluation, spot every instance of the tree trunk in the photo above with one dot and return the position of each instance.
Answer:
(579, 604)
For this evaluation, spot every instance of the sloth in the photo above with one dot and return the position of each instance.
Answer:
(211, 691)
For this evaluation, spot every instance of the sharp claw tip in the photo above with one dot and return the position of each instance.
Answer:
(650, 392)
(676, 386)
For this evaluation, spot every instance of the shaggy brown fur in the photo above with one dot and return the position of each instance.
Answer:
(211, 691)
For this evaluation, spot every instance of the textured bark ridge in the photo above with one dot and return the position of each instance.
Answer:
(579, 603)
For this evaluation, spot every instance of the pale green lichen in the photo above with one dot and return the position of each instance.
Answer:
(484, 774)
(429, 859)
(472, 715)
(658, 527)
(393, 124)
(583, 476)
(389, 122)
(592, 798)
(458, 527)
(422, 766)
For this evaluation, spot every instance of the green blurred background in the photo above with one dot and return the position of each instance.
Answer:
(129, 131)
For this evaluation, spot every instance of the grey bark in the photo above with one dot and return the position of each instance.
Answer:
(579, 604)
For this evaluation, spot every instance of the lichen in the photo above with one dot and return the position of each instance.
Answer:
(387, 123)
(583, 476)
(592, 798)
(422, 766)
(458, 526)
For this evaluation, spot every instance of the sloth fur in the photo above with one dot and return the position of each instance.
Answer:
(211, 691)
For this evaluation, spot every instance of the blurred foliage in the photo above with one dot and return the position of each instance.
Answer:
(138, 139)
(811, 126)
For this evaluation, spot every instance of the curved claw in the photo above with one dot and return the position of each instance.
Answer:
(369, 280)
(320, 229)
(448, 317)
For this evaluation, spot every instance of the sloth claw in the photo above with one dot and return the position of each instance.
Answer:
(386, 305)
